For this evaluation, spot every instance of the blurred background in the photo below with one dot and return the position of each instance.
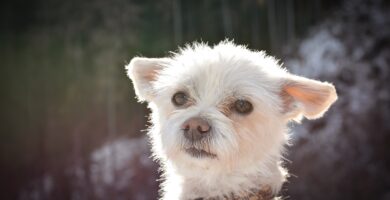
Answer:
(70, 126)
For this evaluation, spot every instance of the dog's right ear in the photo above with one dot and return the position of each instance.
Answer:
(143, 72)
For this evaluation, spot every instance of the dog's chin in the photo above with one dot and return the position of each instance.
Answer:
(199, 153)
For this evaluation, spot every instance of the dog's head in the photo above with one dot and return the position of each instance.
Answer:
(223, 104)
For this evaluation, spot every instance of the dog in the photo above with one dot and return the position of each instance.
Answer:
(219, 118)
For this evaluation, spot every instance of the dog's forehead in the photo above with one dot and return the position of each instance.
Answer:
(220, 71)
(218, 79)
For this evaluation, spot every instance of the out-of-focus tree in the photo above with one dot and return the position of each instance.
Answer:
(66, 95)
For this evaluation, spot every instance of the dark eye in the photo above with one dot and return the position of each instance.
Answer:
(179, 99)
(243, 106)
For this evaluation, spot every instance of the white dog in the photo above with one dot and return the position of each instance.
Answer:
(219, 119)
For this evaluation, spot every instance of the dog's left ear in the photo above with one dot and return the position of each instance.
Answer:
(143, 72)
(307, 97)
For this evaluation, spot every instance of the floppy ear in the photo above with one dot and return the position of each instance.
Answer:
(142, 72)
(307, 97)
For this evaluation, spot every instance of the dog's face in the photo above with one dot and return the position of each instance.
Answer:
(223, 104)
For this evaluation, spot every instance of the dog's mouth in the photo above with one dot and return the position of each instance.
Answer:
(199, 153)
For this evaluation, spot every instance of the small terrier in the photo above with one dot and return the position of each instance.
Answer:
(219, 119)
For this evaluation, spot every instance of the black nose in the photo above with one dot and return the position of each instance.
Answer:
(195, 128)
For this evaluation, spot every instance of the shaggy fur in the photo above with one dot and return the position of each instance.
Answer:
(248, 148)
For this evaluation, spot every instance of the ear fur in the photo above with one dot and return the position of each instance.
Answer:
(142, 72)
(307, 97)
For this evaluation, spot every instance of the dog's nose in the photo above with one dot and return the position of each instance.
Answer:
(195, 128)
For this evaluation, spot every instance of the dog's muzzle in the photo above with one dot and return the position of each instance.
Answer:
(195, 129)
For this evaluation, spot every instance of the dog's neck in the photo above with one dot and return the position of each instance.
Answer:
(257, 181)
(263, 193)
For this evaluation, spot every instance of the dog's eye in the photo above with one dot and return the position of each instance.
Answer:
(179, 99)
(243, 106)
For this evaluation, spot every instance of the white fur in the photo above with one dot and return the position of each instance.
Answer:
(249, 148)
